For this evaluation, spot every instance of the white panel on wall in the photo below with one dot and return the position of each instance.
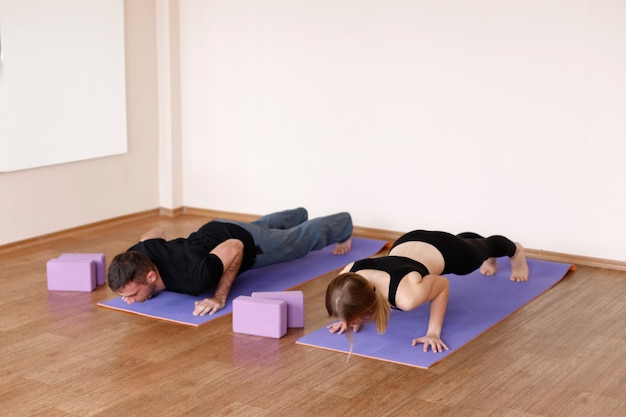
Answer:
(62, 81)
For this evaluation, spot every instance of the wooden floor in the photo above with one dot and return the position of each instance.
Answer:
(61, 355)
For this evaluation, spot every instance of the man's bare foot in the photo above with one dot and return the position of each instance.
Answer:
(342, 248)
(519, 266)
(489, 267)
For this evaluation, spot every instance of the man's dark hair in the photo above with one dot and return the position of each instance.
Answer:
(128, 267)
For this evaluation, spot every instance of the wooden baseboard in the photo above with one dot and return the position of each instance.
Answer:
(216, 214)
(171, 212)
(576, 259)
(388, 235)
(24, 244)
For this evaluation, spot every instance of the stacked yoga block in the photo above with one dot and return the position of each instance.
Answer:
(268, 314)
(76, 272)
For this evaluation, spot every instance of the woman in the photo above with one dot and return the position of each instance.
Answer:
(410, 275)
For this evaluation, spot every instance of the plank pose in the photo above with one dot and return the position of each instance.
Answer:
(213, 256)
(410, 275)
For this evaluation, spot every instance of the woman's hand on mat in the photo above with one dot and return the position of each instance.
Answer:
(432, 341)
(341, 326)
(208, 306)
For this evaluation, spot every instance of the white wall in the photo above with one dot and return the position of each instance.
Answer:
(168, 75)
(498, 117)
(44, 200)
(493, 116)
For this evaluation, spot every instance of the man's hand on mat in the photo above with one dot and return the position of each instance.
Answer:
(434, 342)
(340, 327)
(208, 305)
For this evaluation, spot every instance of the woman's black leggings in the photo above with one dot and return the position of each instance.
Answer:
(463, 253)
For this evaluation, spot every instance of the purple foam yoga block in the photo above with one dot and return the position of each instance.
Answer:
(295, 304)
(259, 316)
(98, 258)
(71, 275)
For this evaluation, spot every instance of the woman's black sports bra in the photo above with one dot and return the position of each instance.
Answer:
(396, 266)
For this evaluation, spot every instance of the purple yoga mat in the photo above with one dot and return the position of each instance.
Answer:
(476, 303)
(279, 277)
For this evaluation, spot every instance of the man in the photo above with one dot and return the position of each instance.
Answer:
(218, 252)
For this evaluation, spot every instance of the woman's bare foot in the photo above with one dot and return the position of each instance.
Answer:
(342, 248)
(519, 266)
(489, 267)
